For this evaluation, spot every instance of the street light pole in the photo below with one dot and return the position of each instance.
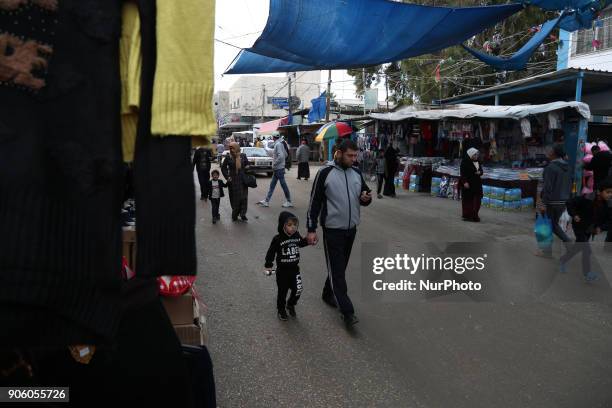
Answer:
(289, 122)
(263, 102)
(363, 78)
(328, 96)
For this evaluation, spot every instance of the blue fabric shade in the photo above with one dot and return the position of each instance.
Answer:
(519, 59)
(303, 35)
(552, 5)
(319, 106)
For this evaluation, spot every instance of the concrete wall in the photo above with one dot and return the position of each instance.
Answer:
(246, 95)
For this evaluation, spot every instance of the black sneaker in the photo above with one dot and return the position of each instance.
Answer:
(282, 315)
(244, 218)
(214, 220)
(350, 320)
(291, 310)
(330, 300)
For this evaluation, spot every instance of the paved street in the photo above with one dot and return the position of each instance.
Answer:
(434, 354)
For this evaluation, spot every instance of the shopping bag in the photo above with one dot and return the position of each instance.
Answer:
(543, 231)
(565, 221)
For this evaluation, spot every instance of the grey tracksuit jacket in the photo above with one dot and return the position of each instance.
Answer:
(335, 198)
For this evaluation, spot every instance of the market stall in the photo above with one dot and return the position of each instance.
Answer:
(511, 140)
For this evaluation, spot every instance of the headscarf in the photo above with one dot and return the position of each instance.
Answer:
(237, 158)
(472, 152)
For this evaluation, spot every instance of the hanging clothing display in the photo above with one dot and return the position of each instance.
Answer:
(554, 120)
(184, 75)
(166, 208)
(526, 128)
(61, 176)
(130, 59)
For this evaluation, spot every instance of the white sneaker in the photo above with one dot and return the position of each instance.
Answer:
(263, 203)
(287, 204)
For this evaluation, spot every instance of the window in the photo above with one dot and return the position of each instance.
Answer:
(584, 40)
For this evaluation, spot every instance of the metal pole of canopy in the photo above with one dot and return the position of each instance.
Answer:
(328, 96)
(363, 78)
(290, 121)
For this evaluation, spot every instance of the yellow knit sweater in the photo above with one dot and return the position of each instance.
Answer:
(184, 75)
(130, 67)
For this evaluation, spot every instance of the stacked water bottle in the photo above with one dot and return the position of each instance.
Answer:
(435, 186)
(398, 180)
(505, 199)
(414, 183)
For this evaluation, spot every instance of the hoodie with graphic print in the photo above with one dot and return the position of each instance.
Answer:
(285, 248)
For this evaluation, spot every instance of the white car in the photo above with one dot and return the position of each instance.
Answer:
(259, 160)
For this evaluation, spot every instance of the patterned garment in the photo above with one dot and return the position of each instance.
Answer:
(27, 33)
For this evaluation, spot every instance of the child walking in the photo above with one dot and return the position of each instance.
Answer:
(286, 248)
(589, 215)
(215, 193)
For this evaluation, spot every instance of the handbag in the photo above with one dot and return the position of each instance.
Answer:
(248, 180)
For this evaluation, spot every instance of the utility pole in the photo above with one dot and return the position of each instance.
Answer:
(289, 101)
(387, 90)
(363, 78)
(263, 102)
(328, 96)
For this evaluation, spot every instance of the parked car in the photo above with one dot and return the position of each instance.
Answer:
(259, 160)
(268, 146)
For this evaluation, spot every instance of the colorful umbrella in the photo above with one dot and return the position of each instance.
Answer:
(333, 130)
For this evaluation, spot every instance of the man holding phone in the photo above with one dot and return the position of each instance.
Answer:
(337, 194)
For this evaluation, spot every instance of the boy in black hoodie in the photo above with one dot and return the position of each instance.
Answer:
(286, 246)
(590, 214)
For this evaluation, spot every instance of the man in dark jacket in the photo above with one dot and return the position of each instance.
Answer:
(556, 190)
(600, 164)
(337, 194)
(303, 156)
(201, 162)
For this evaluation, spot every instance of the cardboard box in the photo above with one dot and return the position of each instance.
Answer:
(190, 334)
(180, 309)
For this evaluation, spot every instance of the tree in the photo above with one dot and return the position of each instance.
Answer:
(453, 71)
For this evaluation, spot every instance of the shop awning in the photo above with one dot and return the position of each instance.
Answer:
(353, 34)
(482, 111)
(271, 126)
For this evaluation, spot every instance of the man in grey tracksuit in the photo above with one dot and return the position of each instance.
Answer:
(556, 190)
(337, 194)
(280, 156)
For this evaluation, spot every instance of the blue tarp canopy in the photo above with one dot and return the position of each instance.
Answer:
(303, 35)
(318, 109)
(520, 58)
(552, 5)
